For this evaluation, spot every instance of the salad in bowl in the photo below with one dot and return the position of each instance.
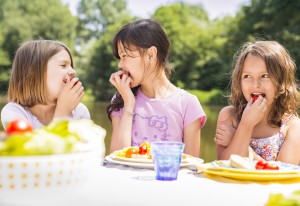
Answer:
(53, 161)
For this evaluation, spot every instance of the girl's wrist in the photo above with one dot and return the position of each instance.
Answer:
(128, 111)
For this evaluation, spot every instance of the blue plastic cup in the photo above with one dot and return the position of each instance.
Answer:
(167, 159)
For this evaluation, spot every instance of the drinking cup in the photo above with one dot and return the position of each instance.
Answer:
(167, 159)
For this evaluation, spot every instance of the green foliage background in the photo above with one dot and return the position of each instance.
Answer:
(201, 48)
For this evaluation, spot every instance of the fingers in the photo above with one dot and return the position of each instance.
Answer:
(218, 140)
(120, 78)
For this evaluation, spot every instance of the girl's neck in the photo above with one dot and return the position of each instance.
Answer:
(44, 113)
(157, 87)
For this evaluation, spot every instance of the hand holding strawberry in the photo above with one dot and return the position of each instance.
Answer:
(69, 97)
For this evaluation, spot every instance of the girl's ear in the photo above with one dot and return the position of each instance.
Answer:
(152, 51)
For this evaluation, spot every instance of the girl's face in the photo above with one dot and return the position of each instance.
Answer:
(132, 63)
(59, 70)
(256, 80)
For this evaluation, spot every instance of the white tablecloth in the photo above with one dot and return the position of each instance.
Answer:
(119, 185)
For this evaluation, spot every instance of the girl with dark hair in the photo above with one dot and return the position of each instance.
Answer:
(148, 107)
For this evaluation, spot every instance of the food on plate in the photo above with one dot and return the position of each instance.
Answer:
(256, 95)
(130, 151)
(265, 165)
(238, 161)
(144, 148)
(59, 137)
(143, 151)
(19, 126)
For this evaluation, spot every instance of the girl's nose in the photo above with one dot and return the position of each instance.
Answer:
(71, 72)
(120, 64)
(256, 82)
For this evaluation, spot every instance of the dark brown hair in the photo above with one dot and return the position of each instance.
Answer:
(27, 84)
(280, 67)
(141, 35)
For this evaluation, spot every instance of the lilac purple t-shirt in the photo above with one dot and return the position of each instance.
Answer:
(164, 119)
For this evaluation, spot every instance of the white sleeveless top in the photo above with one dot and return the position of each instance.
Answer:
(13, 111)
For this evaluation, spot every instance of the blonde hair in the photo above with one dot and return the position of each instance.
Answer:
(27, 84)
(280, 67)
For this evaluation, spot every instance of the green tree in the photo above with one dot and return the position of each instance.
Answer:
(270, 20)
(99, 21)
(195, 41)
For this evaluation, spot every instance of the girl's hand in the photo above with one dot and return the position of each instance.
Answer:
(121, 81)
(224, 135)
(69, 97)
(254, 112)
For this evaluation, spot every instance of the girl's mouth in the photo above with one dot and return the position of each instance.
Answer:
(121, 75)
(256, 95)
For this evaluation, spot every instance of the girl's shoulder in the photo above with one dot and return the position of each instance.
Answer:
(228, 114)
(81, 112)
(227, 111)
(293, 122)
(11, 106)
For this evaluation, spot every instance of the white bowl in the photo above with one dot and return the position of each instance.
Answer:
(50, 179)
(28, 180)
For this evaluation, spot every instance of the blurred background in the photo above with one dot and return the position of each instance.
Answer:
(202, 43)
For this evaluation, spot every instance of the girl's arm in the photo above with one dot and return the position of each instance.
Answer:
(192, 138)
(121, 131)
(240, 141)
(290, 152)
(122, 126)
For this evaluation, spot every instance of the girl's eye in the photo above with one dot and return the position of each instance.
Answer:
(246, 76)
(265, 76)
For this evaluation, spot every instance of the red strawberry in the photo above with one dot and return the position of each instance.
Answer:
(254, 98)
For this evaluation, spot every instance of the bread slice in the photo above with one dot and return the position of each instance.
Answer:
(238, 161)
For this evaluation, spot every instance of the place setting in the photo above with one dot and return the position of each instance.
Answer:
(141, 157)
(247, 169)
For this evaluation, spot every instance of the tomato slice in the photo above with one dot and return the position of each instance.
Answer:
(130, 151)
(144, 148)
(264, 165)
(18, 125)
(272, 166)
(261, 165)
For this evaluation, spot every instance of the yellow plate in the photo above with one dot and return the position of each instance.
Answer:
(220, 165)
(255, 177)
(287, 171)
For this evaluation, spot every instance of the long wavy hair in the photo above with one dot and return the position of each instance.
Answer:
(141, 35)
(281, 68)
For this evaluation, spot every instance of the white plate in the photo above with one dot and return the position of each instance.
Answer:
(149, 165)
